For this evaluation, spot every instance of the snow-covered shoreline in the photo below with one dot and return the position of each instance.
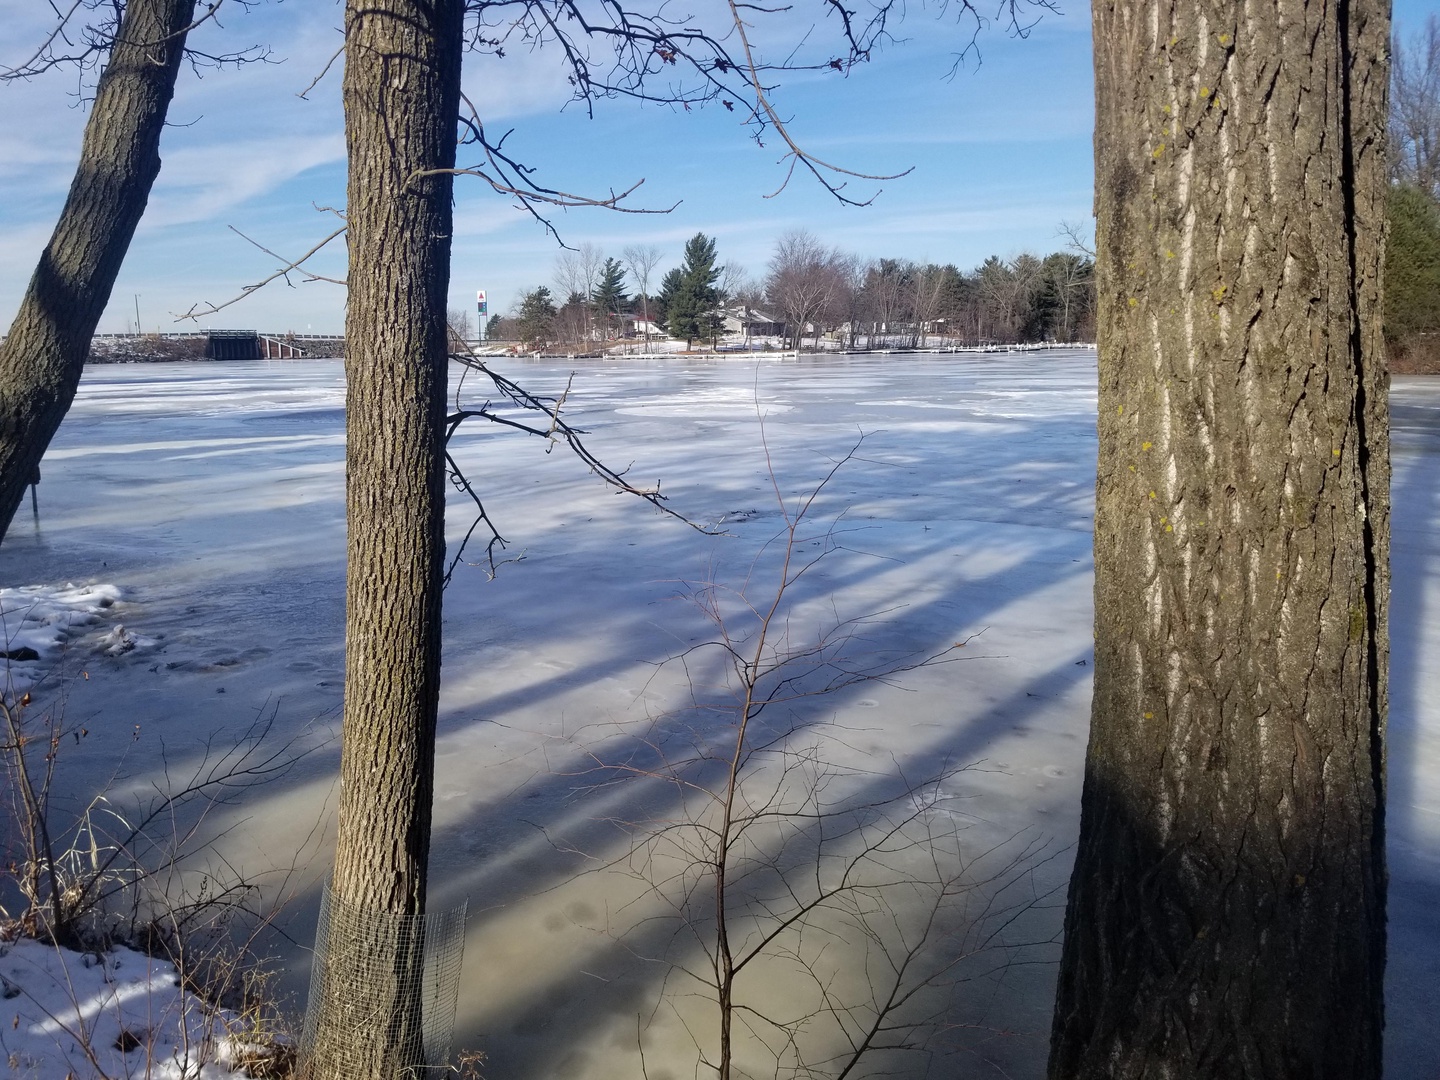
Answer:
(116, 1014)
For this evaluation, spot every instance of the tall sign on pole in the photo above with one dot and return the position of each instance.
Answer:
(483, 309)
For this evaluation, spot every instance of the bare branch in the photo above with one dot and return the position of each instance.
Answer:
(92, 42)
(197, 311)
(556, 430)
(27, 67)
(336, 55)
(796, 155)
(1080, 237)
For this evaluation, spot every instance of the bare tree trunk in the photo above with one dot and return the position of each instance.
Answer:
(1227, 910)
(401, 95)
(41, 359)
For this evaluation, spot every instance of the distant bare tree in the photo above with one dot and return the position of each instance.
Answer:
(1072, 278)
(732, 277)
(576, 270)
(503, 328)
(927, 285)
(849, 272)
(592, 260)
(462, 329)
(1415, 109)
(751, 292)
(1079, 237)
(1027, 269)
(995, 283)
(641, 260)
(804, 282)
(572, 318)
(748, 294)
(1005, 292)
(568, 278)
(884, 294)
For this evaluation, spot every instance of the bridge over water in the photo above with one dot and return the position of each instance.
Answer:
(221, 345)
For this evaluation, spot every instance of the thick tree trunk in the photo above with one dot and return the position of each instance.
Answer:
(1227, 910)
(41, 359)
(401, 95)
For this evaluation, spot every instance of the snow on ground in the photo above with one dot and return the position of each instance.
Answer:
(118, 1014)
(211, 497)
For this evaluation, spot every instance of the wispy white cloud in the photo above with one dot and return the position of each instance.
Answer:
(19, 249)
(40, 138)
(204, 182)
(521, 84)
(995, 129)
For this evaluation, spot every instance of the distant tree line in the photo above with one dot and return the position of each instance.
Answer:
(1412, 252)
(809, 293)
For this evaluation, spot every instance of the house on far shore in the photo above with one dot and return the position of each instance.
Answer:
(751, 322)
(639, 326)
(738, 322)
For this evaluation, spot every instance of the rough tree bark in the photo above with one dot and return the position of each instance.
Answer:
(401, 95)
(41, 359)
(1227, 910)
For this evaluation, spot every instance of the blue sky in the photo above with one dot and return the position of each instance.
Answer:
(1000, 150)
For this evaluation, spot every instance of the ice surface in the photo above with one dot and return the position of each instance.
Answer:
(209, 498)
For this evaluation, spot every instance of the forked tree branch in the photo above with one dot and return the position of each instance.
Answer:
(201, 310)
(92, 42)
(550, 425)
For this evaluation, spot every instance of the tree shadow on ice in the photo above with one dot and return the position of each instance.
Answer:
(548, 868)
(471, 706)
(554, 982)
(544, 945)
(507, 830)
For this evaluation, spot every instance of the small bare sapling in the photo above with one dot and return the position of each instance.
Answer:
(816, 909)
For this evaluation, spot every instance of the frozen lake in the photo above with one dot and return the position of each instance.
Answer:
(211, 496)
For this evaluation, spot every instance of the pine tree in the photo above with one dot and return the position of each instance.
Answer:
(670, 286)
(608, 297)
(1412, 265)
(537, 312)
(691, 313)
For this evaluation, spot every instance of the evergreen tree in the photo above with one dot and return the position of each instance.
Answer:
(691, 312)
(537, 314)
(1412, 267)
(608, 297)
(670, 286)
(1043, 314)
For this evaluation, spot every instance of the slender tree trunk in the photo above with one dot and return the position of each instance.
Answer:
(41, 359)
(1227, 910)
(401, 95)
